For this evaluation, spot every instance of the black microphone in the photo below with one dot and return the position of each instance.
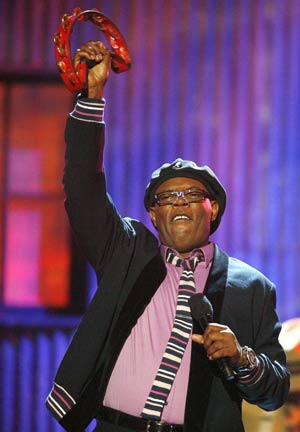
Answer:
(202, 312)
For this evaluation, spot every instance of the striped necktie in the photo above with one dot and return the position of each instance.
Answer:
(178, 340)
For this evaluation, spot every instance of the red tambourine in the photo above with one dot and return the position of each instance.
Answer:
(76, 78)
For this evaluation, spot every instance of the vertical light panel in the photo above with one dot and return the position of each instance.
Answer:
(22, 258)
(35, 246)
(2, 179)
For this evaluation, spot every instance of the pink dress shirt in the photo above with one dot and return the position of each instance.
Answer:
(140, 357)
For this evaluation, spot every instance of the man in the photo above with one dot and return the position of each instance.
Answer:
(131, 364)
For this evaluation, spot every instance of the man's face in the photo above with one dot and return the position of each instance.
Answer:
(183, 226)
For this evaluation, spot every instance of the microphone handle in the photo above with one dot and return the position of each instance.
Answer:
(225, 368)
(223, 362)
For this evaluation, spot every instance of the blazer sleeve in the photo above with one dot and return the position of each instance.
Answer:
(94, 219)
(269, 386)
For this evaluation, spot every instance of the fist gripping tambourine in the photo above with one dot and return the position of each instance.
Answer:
(76, 78)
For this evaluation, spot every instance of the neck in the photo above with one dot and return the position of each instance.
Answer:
(186, 255)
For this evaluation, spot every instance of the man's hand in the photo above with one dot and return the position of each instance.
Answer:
(219, 341)
(98, 74)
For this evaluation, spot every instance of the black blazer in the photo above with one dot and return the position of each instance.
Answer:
(129, 268)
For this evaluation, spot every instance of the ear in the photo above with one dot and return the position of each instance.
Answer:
(153, 215)
(214, 210)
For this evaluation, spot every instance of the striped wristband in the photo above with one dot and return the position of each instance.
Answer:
(89, 110)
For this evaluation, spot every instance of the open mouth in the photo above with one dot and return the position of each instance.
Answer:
(177, 218)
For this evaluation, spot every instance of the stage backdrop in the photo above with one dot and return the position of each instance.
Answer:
(216, 81)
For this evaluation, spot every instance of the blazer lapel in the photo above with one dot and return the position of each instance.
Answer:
(216, 282)
(201, 371)
(140, 295)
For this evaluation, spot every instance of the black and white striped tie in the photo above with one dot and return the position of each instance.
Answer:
(178, 340)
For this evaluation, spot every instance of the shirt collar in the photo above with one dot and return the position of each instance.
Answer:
(207, 251)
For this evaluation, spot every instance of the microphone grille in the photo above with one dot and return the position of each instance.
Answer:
(200, 305)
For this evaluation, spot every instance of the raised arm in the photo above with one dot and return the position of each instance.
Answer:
(93, 217)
